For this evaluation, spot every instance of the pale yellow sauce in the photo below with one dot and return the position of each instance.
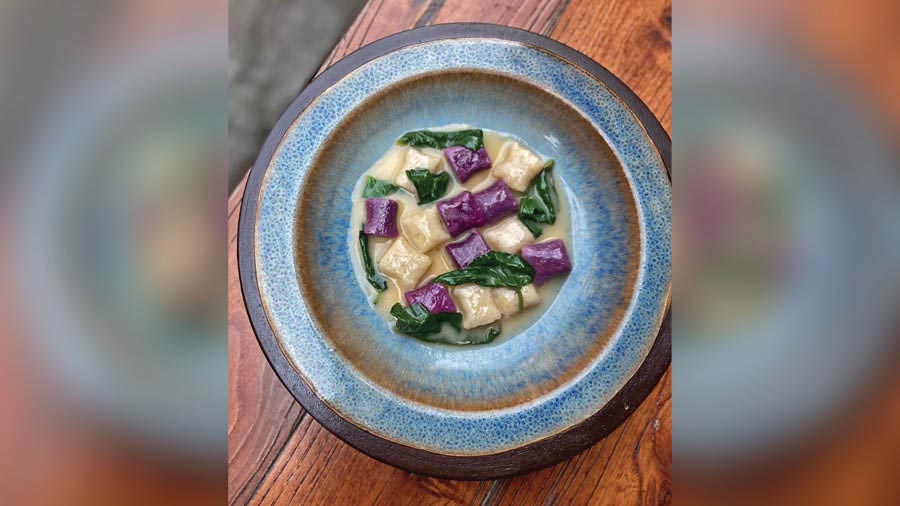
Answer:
(441, 262)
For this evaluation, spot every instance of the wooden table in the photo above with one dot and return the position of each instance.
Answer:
(277, 454)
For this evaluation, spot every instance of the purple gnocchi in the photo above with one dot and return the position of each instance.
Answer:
(461, 213)
(381, 217)
(435, 298)
(548, 259)
(497, 201)
(470, 248)
(466, 162)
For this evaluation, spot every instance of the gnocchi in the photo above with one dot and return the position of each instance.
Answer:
(507, 300)
(518, 166)
(404, 264)
(476, 305)
(452, 252)
(508, 236)
(423, 228)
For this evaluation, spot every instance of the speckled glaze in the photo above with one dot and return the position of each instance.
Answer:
(478, 400)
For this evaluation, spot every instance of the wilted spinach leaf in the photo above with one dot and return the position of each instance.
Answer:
(489, 335)
(378, 281)
(416, 321)
(378, 188)
(532, 226)
(429, 187)
(472, 139)
(538, 205)
(495, 269)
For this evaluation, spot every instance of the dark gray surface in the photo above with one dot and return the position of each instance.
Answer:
(274, 48)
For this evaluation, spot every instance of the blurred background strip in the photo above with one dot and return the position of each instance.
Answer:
(112, 282)
(785, 350)
(279, 455)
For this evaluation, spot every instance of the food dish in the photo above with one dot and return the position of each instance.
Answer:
(443, 258)
(463, 411)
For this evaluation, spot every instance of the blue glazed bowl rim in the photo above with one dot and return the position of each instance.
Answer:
(537, 454)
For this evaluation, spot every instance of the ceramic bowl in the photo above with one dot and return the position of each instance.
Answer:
(526, 400)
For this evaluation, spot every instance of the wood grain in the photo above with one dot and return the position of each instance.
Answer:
(279, 456)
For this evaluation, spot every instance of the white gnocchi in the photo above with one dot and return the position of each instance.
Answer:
(517, 166)
(508, 236)
(423, 228)
(414, 159)
(404, 264)
(507, 300)
(476, 305)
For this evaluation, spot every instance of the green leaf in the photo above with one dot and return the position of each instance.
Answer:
(416, 321)
(532, 226)
(489, 335)
(429, 187)
(378, 281)
(495, 269)
(472, 139)
(378, 188)
(540, 201)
